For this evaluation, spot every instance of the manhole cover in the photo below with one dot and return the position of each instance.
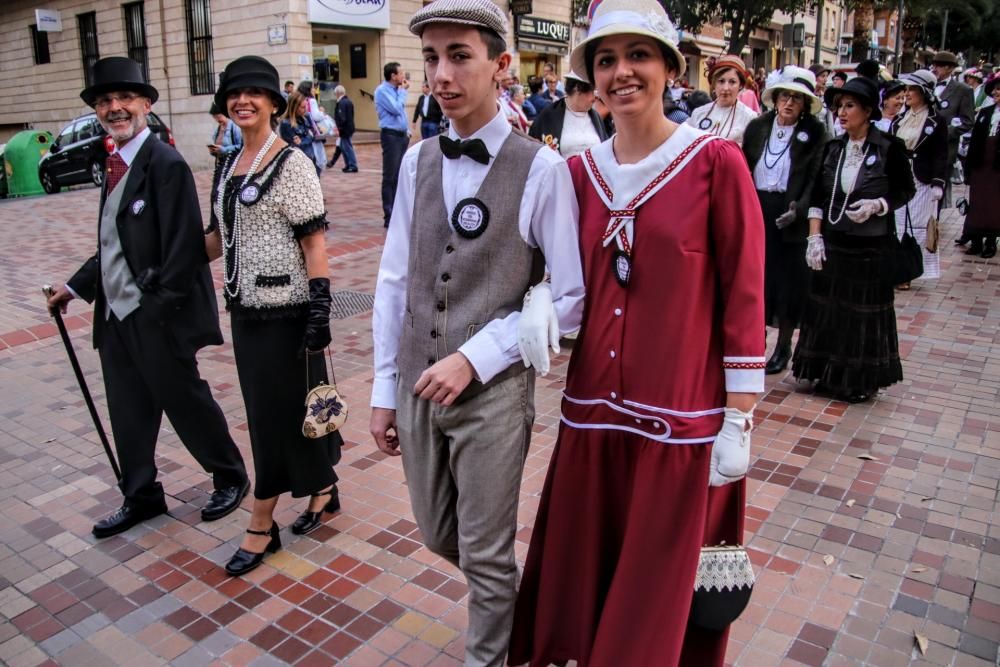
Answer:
(348, 304)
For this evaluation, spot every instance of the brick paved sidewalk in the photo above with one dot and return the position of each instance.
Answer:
(870, 523)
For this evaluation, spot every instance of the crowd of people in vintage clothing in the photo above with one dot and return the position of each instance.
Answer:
(519, 219)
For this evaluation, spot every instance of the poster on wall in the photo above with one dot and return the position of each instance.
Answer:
(353, 13)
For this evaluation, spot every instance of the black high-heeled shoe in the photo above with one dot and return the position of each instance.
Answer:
(243, 561)
(310, 521)
(779, 359)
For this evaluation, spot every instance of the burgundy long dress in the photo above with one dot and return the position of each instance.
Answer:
(626, 504)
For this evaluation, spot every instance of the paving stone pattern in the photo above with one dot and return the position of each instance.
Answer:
(867, 523)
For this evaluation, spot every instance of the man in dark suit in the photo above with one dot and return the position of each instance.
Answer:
(343, 118)
(427, 113)
(154, 305)
(955, 108)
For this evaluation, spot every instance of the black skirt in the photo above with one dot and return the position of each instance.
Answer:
(786, 274)
(848, 339)
(272, 371)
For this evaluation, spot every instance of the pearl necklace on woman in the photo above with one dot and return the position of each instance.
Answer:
(248, 194)
(858, 155)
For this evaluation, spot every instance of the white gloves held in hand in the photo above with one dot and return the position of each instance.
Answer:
(538, 328)
(863, 209)
(815, 252)
(731, 450)
(786, 218)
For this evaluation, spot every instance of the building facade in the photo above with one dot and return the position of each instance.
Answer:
(185, 44)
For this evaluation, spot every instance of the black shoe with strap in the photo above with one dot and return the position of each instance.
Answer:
(310, 521)
(243, 561)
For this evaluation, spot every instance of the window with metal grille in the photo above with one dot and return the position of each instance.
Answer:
(40, 45)
(135, 35)
(87, 24)
(199, 27)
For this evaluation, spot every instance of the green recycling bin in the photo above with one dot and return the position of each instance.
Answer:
(20, 162)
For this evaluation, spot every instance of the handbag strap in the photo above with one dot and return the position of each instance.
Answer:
(329, 366)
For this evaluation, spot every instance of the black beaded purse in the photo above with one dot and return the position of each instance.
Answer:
(722, 586)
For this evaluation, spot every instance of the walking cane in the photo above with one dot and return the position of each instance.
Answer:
(48, 291)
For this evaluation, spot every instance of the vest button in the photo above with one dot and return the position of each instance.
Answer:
(434, 334)
(449, 249)
(445, 277)
(440, 305)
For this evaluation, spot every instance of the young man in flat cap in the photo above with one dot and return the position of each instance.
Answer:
(479, 213)
(154, 305)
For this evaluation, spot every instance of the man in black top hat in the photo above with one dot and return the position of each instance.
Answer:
(154, 305)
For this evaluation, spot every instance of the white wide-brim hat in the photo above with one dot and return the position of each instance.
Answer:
(796, 80)
(628, 17)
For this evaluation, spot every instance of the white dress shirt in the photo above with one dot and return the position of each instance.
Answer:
(778, 154)
(548, 218)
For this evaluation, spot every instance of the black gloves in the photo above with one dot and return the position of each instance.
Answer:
(318, 320)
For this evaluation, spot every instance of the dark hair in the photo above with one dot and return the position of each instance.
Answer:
(535, 85)
(591, 50)
(495, 44)
(862, 102)
(577, 86)
(306, 88)
(839, 75)
(697, 98)
(389, 70)
(289, 83)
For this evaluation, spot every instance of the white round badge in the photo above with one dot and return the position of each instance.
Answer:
(470, 218)
(250, 194)
(137, 206)
(622, 265)
(945, 104)
(802, 136)
(928, 131)
(870, 161)
(705, 123)
(956, 122)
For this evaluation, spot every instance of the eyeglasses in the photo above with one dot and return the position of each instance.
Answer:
(124, 99)
(785, 96)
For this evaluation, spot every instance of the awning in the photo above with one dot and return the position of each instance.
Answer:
(539, 46)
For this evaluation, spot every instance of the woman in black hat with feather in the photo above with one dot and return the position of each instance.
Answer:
(268, 224)
(848, 340)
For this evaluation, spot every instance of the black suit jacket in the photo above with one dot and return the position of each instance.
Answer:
(978, 158)
(160, 228)
(550, 120)
(930, 156)
(806, 160)
(343, 117)
(434, 114)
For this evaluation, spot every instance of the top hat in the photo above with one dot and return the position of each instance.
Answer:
(860, 87)
(117, 73)
(475, 13)
(250, 72)
(628, 17)
(797, 80)
(945, 58)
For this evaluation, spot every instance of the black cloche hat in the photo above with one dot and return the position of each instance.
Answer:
(250, 72)
(860, 87)
(117, 73)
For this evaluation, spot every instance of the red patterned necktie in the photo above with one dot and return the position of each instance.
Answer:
(116, 169)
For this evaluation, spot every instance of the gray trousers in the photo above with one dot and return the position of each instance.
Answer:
(463, 467)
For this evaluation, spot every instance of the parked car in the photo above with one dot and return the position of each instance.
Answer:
(78, 153)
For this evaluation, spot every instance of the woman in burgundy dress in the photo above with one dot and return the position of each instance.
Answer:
(653, 445)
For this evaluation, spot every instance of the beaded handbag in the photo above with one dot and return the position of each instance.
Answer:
(326, 410)
(722, 586)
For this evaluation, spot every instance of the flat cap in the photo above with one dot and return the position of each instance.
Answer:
(475, 13)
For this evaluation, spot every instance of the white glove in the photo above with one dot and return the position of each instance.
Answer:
(863, 209)
(538, 328)
(936, 193)
(815, 252)
(731, 449)
(786, 218)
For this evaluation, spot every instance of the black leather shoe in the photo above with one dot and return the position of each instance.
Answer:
(127, 516)
(961, 240)
(989, 251)
(310, 521)
(859, 397)
(224, 501)
(779, 360)
(350, 170)
(974, 249)
(243, 561)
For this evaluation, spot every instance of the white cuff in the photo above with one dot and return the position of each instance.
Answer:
(744, 375)
(815, 212)
(72, 291)
(384, 393)
(486, 362)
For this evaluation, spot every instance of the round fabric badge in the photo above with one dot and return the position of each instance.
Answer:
(137, 206)
(945, 104)
(956, 122)
(622, 266)
(250, 194)
(705, 123)
(470, 218)
(870, 161)
(802, 136)
(928, 131)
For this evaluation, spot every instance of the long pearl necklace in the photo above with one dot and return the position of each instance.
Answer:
(837, 176)
(232, 241)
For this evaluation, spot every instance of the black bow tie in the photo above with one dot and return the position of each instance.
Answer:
(474, 149)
